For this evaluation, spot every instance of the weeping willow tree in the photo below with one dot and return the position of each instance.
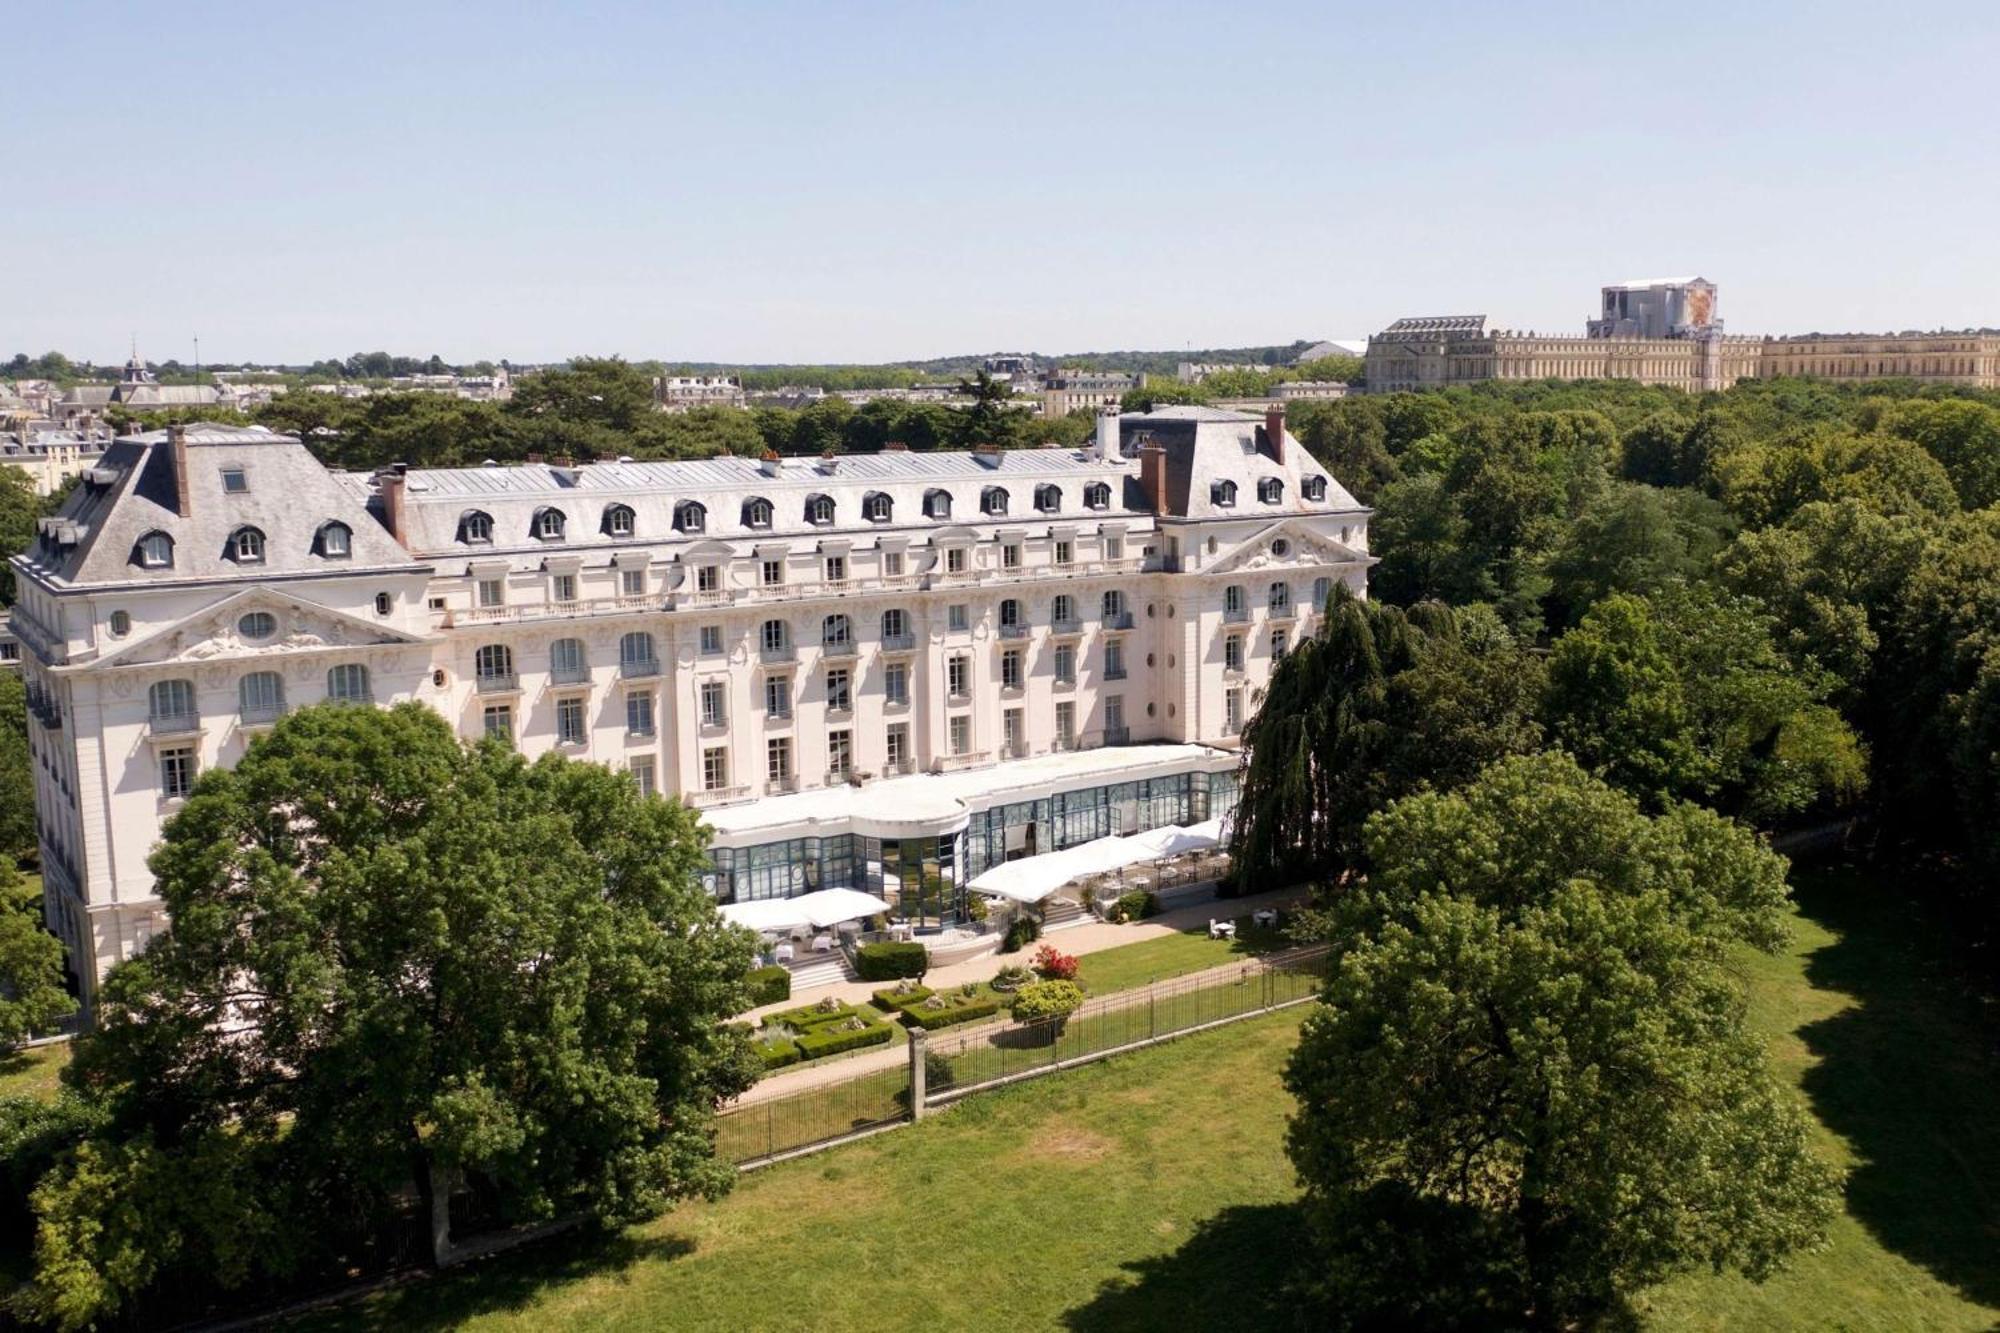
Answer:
(1380, 703)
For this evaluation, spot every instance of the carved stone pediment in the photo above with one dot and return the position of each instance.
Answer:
(215, 633)
(1308, 547)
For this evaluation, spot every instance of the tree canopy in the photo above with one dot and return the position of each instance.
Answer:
(396, 963)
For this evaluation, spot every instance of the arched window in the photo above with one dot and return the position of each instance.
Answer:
(636, 654)
(690, 516)
(260, 696)
(937, 504)
(1064, 610)
(549, 524)
(877, 507)
(171, 701)
(1270, 491)
(773, 637)
(1322, 589)
(895, 625)
(757, 512)
(155, 551)
(1222, 493)
(493, 662)
(1048, 498)
(1097, 495)
(993, 500)
(819, 510)
(566, 662)
(475, 527)
(348, 684)
(1010, 614)
(246, 546)
(1313, 488)
(334, 542)
(836, 631)
(1114, 604)
(620, 521)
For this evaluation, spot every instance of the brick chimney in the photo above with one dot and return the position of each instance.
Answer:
(177, 440)
(895, 447)
(1274, 430)
(389, 482)
(1153, 476)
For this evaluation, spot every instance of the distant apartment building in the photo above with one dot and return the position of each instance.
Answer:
(678, 393)
(1194, 372)
(51, 460)
(1069, 390)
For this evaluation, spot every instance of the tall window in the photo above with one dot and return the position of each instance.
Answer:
(777, 697)
(1114, 604)
(897, 745)
(562, 588)
(348, 683)
(1232, 600)
(1013, 733)
(1232, 711)
(644, 772)
(636, 654)
(771, 573)
(957, 617)
(711, 640)
(772, 638)
(836, 569)
(1010, 669)
(714, 768)
(177, 772)
(171, 701)
(1063, 611)
(1065, 664)
(839, 689)
(1010, 614)
(566, 662)
(895, 625)
(954, 560)
(1066, 723)
(1280, 598)
(491, 592)
(892, 564)
(261, 696)
(1114, 660)
(1322, 589)
(1114, 548)
(840, 752)
(836, 631)
(714, 703)
(1065, 552)
(569, 720)
(1114, 712)
(960, 732)
(498, 720)
(1232, 653)
(1280, 641)
(707, 578)
(778, 759)
(957, 676)
(1010, 555)
(639, 713)
(896, 683)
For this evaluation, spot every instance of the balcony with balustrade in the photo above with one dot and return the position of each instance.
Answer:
(524, 612)
(777, 654)
(173, 724)
(714, 796)
(260, 715)
(578, 674)
(638, 668)
(839, 648)
(905, 642)
(1118, 620)
(497, 682)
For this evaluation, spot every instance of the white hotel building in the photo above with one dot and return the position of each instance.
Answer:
(859, 667)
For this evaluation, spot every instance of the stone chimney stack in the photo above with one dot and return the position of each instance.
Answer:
(1107, 433)
(389, 482)
(1274, 428)
(770, 463)
(1153, 476)
(177, 440)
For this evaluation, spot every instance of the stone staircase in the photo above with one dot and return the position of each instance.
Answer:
(822, 969)
(1061, 914)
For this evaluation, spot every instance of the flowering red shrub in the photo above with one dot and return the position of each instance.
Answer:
(1055, 965)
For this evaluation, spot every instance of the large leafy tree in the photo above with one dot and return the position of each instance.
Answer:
(1631, 538)
(1377, 704)
(1529, 1090)
(396, 964)
(17, 772)
(32, 993)
(19, 508)
(1684, 694)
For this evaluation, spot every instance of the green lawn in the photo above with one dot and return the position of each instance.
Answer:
(1165, 956)
(1152, 1191)
(33, 1073)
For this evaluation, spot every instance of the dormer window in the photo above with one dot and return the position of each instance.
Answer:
(619, 521)
(757, 512)
(1222, 493)
(1314, 488)
(993, 500)
(334, 542)
(156, 551)
(246, 546)
(549, 524)
(1270, 491)
(937, 504)
(819, 510)
(690, 516)
(1048, 499)
(475, 528)
(1097, 495)
(235, 481)
(877, 507)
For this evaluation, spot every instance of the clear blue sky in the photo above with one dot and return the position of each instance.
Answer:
(790, 181)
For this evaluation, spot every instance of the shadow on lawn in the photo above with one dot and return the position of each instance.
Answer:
(1230, 1274)
(1907, 1077)
(507, 1282)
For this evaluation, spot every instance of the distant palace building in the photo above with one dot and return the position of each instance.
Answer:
(882, 671)
(1664, 331)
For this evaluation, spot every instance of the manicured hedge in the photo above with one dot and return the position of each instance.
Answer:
(812, 1016)
(777, 1052)
(891, 960)
(821, 1041)
(892, 999)
(985, 1006)
(768, 985)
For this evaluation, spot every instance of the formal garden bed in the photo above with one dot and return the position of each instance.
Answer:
(814, 1031)
(920, 1006)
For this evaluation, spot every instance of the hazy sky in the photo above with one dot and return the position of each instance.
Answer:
(807, 182)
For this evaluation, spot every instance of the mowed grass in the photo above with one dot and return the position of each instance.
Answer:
(1165, 956)
(1153, 1192)
(35, 1072)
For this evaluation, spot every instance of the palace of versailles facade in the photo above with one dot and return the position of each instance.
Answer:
(1665, 331)
(884, 671)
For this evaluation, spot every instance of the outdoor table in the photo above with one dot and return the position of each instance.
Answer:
(1265, 916)
(1222, 930)
(822, 944)
(784, 953)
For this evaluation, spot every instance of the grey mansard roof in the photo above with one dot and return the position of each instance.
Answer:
(1203, 446)
(130, 492)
